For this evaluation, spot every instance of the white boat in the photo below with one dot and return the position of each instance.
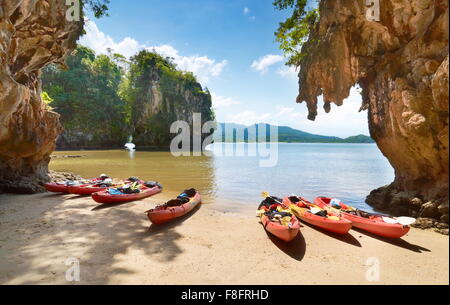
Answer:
(130, 146)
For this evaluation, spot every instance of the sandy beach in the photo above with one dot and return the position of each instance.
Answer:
(116, 245)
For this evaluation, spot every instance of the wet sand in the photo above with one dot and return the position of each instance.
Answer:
(117, 245)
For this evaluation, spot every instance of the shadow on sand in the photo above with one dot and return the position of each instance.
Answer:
(54, 195)
(66, 196)
(103, 206)
(347, 238)
(63, 228)
(75, 197)
(395, 241)
(295, 249)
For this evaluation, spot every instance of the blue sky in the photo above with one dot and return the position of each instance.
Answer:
(230, 46)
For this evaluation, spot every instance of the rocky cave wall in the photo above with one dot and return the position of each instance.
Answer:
(401, 64)
(33, 33)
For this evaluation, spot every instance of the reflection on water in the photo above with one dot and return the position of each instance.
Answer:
(346, 171)
(175, 174)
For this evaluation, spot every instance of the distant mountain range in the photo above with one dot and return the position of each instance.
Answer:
(285, 135)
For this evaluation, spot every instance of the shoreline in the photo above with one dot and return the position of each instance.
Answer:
(117, 245)
(167, 148)
(421, 223)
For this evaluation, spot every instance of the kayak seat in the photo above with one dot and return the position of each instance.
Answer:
(294, 199)
(152, 184)
(190, 192)
(269, 201)
(177, 202)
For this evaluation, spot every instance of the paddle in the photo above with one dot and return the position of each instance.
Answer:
(311, 208)
(405, 221)
(266, 195)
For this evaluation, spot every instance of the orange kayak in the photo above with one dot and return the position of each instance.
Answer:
(106, 198)
(284, 233)
(336, 224)
(373, 224)
(164, 213)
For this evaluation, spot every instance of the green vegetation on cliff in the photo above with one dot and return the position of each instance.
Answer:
(86, 97)
(98, 7)
(294, 31)
(103, 99)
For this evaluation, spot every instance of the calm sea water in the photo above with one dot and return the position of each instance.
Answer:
(345, 171)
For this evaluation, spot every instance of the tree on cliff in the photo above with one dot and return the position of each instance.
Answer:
(295, 30)
(98, 7)
(86, 97)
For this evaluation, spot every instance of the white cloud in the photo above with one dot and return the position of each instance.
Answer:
(165, 50)
(247, 13)
(288, 72)
(248, 118)
(222, 102)
(203, 67)
(100, 42)
(262, 64)
(289, 115)
(282, 110)
(343, 121)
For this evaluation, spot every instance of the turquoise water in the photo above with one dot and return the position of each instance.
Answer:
(231, 183)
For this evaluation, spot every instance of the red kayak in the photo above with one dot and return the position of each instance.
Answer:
(89, 189)
(56, 187)
(373, 224)
(106, 197)
(174, 208)
(332, 222)
(285, 233)
(63, 187)
(85, 189)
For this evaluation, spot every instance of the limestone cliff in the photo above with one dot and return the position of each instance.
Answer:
(161, 109)
(163, 95)
(33, 33)
(401, 64)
